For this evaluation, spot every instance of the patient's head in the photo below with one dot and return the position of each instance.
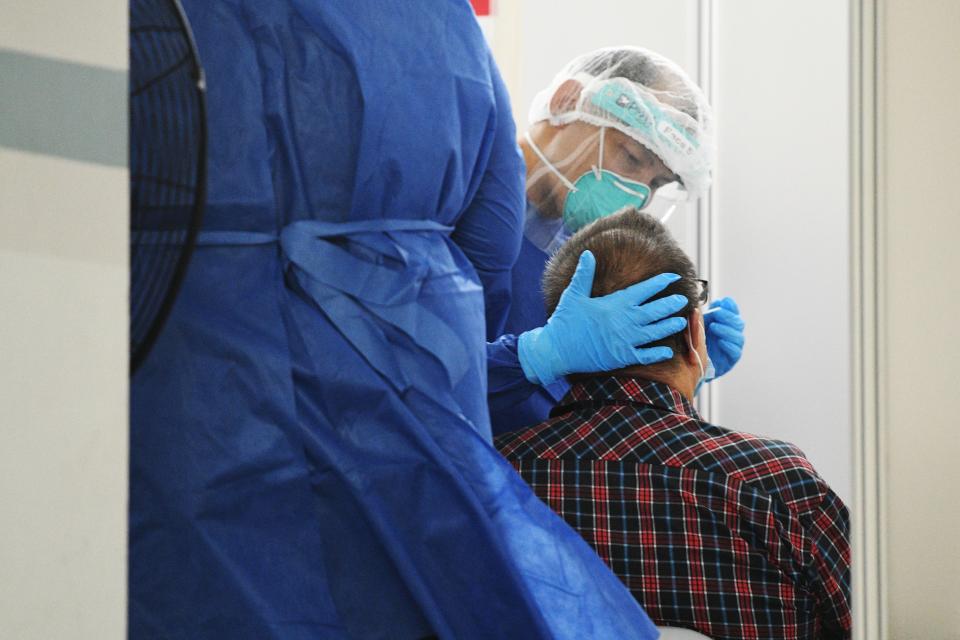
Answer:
(629, 247)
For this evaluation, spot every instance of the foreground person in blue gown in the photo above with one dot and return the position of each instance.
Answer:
(616, 127)
(310, 440)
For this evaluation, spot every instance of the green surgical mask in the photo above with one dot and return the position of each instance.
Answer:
(595, 196)
(597, 193)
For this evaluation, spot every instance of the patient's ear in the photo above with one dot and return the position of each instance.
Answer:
(700, 331)
(565, 97)
(695, 335)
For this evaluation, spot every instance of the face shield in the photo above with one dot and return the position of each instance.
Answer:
(666, 201)
(629, 129)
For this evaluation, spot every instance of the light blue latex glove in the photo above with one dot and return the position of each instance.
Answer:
(724, 329)
(590, 335)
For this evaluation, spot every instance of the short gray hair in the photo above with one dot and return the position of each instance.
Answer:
(629, 247)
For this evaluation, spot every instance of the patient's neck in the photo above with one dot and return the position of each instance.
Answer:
(679, 376)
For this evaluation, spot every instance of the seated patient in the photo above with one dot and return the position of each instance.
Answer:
(724, 532)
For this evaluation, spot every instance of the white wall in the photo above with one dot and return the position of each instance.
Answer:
(783, 223)
(63, 328)
(920, 218)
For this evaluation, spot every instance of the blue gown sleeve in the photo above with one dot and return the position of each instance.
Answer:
(490, 230)
(514, 401)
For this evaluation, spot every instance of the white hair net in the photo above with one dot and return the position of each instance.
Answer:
(643, 95)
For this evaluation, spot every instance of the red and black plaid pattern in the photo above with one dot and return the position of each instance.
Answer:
(726, 533)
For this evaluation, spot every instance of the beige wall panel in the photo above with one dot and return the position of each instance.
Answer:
(921, 210)
(63, 397)
(64, 208)
(88, 32)
(63, 465)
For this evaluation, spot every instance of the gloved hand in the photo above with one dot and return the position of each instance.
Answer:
(724, 329)
(588, 335)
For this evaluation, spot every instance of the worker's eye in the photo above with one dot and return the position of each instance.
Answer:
(659, 182)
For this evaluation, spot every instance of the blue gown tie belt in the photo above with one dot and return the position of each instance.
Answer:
(316, 228)
(372, 290)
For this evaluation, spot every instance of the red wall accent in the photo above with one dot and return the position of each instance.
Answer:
(481, 7)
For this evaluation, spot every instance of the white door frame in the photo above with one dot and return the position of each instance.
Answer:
(867, 265)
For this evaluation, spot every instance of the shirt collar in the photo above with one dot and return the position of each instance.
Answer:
(611, 390)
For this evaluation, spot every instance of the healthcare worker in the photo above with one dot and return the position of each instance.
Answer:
(310, 442)
(616, 127)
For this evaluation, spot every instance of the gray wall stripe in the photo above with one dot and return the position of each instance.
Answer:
(62, 108)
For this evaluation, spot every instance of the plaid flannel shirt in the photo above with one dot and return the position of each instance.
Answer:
(727, 533)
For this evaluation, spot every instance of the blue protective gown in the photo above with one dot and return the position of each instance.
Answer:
(514, 401)
(310, 440)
